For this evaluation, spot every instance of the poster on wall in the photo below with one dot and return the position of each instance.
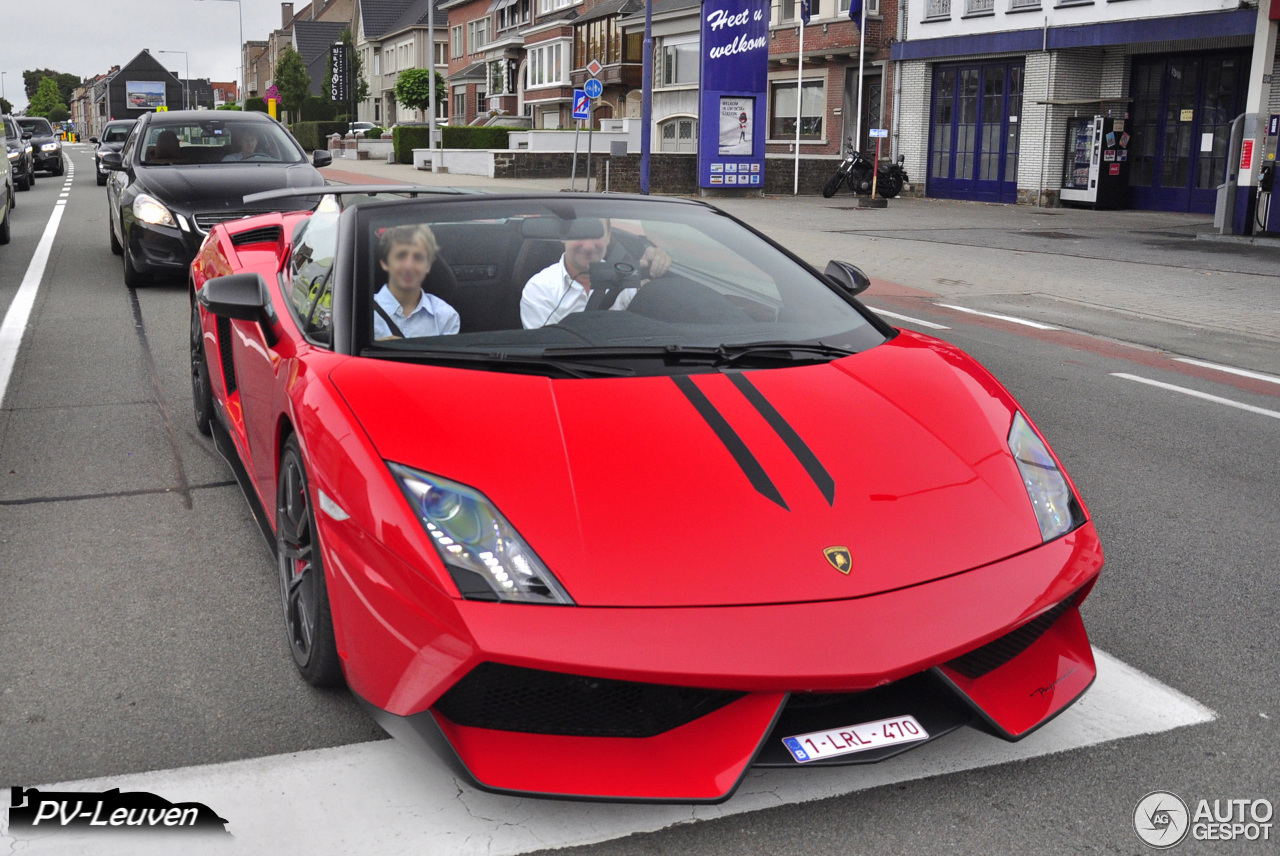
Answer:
(736, 119)
(734, 75)
(144, 94)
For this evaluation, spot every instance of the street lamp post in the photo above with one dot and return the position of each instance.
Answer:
(240, 47)
(186, 81)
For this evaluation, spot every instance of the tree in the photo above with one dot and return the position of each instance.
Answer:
(413, 88)
(47, 100)
(66, 82)
(6, 106)
(58, 114)
(292, 81)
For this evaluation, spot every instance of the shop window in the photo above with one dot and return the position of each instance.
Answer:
(813, 108)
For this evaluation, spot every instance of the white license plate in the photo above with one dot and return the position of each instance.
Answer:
(855, 738)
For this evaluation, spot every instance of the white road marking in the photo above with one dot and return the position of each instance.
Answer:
(886, 313)
(378, 798)
(1195, 393)
(15, 319)
(1229, 369)
(1011, 319)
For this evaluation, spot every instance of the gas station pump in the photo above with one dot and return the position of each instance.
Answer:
(1267, 216)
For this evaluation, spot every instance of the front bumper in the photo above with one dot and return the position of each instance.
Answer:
(163, 249)
(405, 644)
(47, 161)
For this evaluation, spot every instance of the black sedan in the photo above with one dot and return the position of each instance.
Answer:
(46, 145)
(182, 172)
(112, 140)
(22, 162)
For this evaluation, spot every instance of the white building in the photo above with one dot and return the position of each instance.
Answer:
(987, 88)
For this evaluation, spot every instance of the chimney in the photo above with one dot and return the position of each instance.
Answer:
(286, 14)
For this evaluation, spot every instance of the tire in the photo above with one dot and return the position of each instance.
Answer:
(832, 186)
(116, 249)
(303, 593)
(4, 230)
(60, 168)
(201, 388)
(22, 182)
(133, 277)
(102, 179)
(890, 186)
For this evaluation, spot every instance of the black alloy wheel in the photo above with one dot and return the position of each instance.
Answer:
(303, 593)
(833, 185)
(201, 387)
(890, 186)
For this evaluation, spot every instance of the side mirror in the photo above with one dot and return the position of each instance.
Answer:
(112, 161)
(93, 140)
(26, 135)
(902, 158)
(242, 296)
(320, 158)
(847, 276)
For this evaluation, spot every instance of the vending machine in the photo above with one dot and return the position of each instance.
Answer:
(1096, 172)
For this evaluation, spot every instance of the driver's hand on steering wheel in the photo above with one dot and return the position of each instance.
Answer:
(655, 262)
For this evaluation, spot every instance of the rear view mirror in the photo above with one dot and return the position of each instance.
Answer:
(560, 229)
(93, 140)
(848, 277)
(242, 296)
(320, 158)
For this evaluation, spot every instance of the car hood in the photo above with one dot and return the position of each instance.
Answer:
(634, 494)
(222, 187)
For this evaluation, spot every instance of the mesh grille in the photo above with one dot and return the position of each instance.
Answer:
(996, 653)
(263, 235)
(508, 698)
(224, 352)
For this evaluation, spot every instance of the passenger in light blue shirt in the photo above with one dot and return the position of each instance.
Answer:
(406, 254)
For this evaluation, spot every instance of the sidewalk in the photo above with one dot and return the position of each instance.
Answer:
(1137, 276)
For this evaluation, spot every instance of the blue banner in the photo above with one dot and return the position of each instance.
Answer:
(733, 100)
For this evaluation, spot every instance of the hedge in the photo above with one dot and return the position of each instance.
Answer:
(374, 133)
(229, 107)
(314, 135)
(317, 109)
(412, 137)
(256, 104)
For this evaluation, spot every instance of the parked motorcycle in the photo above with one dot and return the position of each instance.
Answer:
(856, 171)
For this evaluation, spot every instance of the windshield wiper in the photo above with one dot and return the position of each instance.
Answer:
(715, 355)
(500, 360)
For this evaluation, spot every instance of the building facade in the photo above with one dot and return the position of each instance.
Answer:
(391, 36)
(988, 88)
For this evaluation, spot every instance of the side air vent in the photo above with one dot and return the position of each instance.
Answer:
(263, 235)
(224, 353)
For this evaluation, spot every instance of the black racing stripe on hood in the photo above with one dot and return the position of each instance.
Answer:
(821, 478)
(737, 448)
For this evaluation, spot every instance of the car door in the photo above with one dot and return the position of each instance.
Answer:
(117, 182)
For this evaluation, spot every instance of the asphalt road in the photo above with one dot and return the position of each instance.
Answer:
(139, 610)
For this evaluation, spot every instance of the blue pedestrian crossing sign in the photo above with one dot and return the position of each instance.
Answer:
(593, 88)
(581, 105)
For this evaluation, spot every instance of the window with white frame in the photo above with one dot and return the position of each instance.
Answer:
(547, 6)
(680, 60)
(938, 9)
(459, 105)
(842, 7)
(456, 46)
(979, 7)
(442, 57)
(404, 55)
(813, 108)
(1024, 4)
(514, 14)
(478, 34)
(546, 65)
(377, 61)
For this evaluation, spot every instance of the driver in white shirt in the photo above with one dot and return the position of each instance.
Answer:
(564, 287)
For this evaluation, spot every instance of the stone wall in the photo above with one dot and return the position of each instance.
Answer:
(677, 175)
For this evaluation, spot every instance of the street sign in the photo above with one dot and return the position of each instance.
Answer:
(339, 90)
(581, 105)
(593, 88)
(878, 132)
(594, 67)
(162, 109)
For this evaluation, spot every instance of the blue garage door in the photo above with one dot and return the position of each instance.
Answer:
(974, 130)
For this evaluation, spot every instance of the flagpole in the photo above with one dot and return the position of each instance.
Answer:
(862, 53)
(799, 102)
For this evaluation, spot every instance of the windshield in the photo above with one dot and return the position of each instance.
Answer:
(116, 133)
(216, 141)
(36, 126)
(652, 285)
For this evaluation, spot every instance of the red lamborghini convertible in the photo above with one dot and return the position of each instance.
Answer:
(615, 498)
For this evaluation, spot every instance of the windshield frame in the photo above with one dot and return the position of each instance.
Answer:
(353, 334)
(172, 121)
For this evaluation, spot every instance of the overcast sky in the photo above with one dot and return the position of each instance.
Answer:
(87, 37)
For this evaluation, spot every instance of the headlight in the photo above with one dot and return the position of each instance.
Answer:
(485, 555)
(28, 149)
(1055, 506)
(49, 147)
(151, 210)
(14, 155)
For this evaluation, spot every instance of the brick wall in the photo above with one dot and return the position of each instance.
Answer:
(677, 174)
